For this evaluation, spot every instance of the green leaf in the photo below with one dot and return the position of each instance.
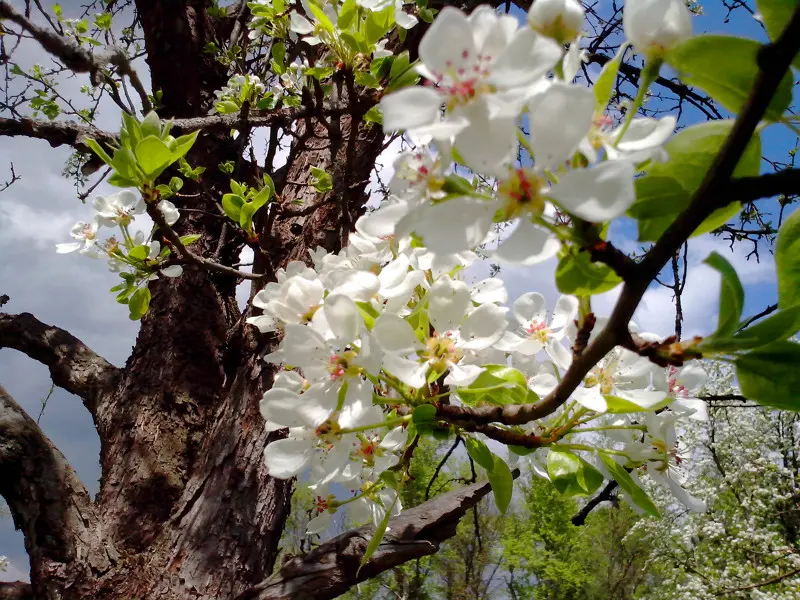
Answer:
(373, 115)
(776, 14)
(139, 252)
(124, 163)
(787, 261)
(347, 15)
(139, 303)
(480, 453)
(576, 274)
(232, 206)
(457, 185)
(626, 482)
(378, 24)
(731, 295)
(778, 327)
(377, 536)
(278, 52)
(323, 182)
(367, 80)
(182, 145)
(268, 185)
(131, 133)
(498, 384)
(502, 484)
(604, 85)
(187, 240)
(226, 107)
(424, 413)
(369, 313)
(153, 155)
(571, 475)
(770, 375)
(321, 18)
(151, 125)
(118, 180)
(246, 216)
(667, 189)
(520, 450)
(726, 67)
(617, 405)
(98, 149)
(176, 184)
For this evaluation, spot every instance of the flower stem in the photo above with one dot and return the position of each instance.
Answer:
(387, 423)
(648, 76)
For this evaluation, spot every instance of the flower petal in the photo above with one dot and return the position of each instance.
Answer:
(448, 302)
(483, 327)
(528, 57)
(598, 194)
(455, 225)
(559, 119)
(528, 245)
(410, 108)
(288, 457)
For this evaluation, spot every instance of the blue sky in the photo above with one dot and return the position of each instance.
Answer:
(71, 291)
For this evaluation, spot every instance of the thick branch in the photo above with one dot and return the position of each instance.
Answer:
(332, 568)
(68, 52)
(68, 133)
(16, 590)
(49, 504)
(746, 189)
(73, 365)
(56, 133)
(607, 493)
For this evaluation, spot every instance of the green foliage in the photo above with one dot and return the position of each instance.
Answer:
(775, 15)
(576, 274)
(498, 384)
(604, 85)
(571, 475)
(626, 482)
(667, 189)
(726, 67)
(145, 151)
(770, 375)
(787, 261)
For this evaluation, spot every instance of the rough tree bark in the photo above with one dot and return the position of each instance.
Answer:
(185, 508)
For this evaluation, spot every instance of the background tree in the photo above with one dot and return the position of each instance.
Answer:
(186, 508)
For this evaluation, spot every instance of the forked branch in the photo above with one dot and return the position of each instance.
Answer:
(49, 504)
(73, 365)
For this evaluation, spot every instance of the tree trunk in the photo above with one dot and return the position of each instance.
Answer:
(186, 509)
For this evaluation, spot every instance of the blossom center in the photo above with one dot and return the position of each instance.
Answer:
(463, 84)
(340, 365)
(600, 377)
(440, 350)
(538, 331)
(522, 193)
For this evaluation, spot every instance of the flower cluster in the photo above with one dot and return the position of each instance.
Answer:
(136, 257)
(385, 329)
(487, 73)
(240, 89)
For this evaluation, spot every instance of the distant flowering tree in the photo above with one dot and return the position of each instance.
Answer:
(744, 459)
(361, 335)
